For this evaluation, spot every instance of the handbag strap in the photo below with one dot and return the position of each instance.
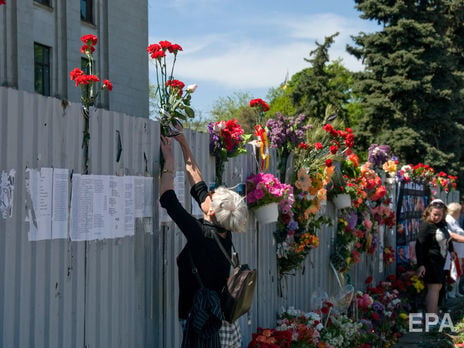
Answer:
(225, 252)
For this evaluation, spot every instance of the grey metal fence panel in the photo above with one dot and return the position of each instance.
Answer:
(58, 293)
(119, 282)
(123, 292)
(40, 280)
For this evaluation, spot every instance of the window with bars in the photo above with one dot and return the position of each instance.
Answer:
(42, 69)
(87, 10)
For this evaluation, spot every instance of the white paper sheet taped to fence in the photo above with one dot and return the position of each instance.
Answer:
(102, 206)
(105, 207)
(48, 214)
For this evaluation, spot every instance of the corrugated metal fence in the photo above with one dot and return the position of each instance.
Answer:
(121, 292)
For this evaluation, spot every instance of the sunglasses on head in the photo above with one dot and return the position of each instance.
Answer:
(437, 204)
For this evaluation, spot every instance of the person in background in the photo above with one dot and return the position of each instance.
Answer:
(452, 218)
(432, 247)
(224, 211)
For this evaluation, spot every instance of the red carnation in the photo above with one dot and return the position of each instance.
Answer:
(165, 44)
(259, 103)
(75, 73)
(87, 49)
(174, 48)
(89, 40)
(153, 48)
(108, 85)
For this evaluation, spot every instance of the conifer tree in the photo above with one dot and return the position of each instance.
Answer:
(323, 86)
(413, 83)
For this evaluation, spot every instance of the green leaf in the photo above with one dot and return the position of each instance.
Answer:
(189, 111)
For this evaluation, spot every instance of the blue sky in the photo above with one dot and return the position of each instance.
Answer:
(249, 45)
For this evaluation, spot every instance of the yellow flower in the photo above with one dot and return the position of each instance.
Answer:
(322, 194)
(304, 181)
(418, 283)
(389, 166)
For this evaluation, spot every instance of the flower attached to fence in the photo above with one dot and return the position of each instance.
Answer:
(265, 188)
(355, 235)
(2, 2)
(263, 144)
(383, 214)
(340, 138)
(390, 167)
(378, 155)
(371, 183)
(444, 182)
(172, 96)
(261, 132)
(227, 139)
(285, 133)
(86, 79)
(261, 106)
(388, 255)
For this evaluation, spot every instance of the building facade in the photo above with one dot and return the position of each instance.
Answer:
(40, 44)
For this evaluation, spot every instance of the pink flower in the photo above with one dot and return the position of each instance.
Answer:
(258, 193)
(365, 301)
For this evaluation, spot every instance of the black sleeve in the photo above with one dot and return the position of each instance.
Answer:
(199, 192)
(189, 225)
(420, 253)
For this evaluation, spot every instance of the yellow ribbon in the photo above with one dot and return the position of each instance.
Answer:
(263, 142)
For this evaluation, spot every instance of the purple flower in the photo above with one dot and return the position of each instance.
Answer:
(377, 306)
(379, 154)
(293, 225)
(352, 220)
(286, 132)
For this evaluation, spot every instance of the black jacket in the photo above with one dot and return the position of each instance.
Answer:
(213, 267)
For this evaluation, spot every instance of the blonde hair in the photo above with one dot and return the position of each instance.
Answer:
(230, 210)
(454, 207)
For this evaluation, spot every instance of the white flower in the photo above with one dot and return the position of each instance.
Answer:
(218, 127)
(192, 88)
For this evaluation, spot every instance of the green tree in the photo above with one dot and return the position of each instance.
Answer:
(323, 86)
(236, 106)
(412, 85)
(279, 100)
